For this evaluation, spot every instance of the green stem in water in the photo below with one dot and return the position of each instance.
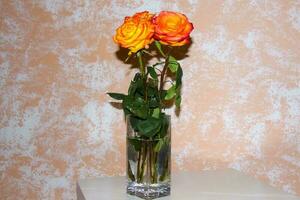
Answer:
(150, 159)
(144, 156)
(154, 167)
(129, 171)
(166, 167)
(138, 165)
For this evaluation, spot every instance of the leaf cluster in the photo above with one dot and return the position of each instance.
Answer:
(146, 98)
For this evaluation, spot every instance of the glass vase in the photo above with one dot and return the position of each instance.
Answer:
(148, 163)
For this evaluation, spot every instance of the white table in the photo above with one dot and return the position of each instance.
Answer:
(207, 185)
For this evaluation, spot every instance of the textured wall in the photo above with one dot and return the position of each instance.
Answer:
(241, 93)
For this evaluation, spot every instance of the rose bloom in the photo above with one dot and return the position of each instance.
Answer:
(136, 32)
(172, 28)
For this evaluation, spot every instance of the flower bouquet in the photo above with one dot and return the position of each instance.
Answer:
(153, 89)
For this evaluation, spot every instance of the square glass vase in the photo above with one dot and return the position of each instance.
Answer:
(149, 162)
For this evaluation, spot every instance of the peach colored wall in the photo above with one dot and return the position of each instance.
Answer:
(241, 93)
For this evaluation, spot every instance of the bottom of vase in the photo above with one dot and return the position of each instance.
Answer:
(148, 191)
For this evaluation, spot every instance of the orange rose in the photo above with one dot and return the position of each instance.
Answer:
(136, 32)
(172, 28)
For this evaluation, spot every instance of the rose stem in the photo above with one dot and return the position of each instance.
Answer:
(138, 166)
(144, 159)
(162, 77)
(152, 164)
(150, 160)
(130, 174)
(155, 167)
(142, 69)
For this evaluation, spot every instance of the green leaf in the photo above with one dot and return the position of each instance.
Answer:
(152, 92)
(140, 111)
(179, 74)
(136, 143)
(156, 113)
(171, 92)
(164, 125)
(126, 101)
(140, 87)
(132, 88)
(153, 87)
(135, 84)
(153, 102)
(163, 94)
(139, 100)
(136, 106)
(152, 72)
(178, 100)
(134, 122)
(172, 64)
(117, 96)
(126, 112)
(178, 84)
(149, 127)
(137, 76)
(159, 145)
